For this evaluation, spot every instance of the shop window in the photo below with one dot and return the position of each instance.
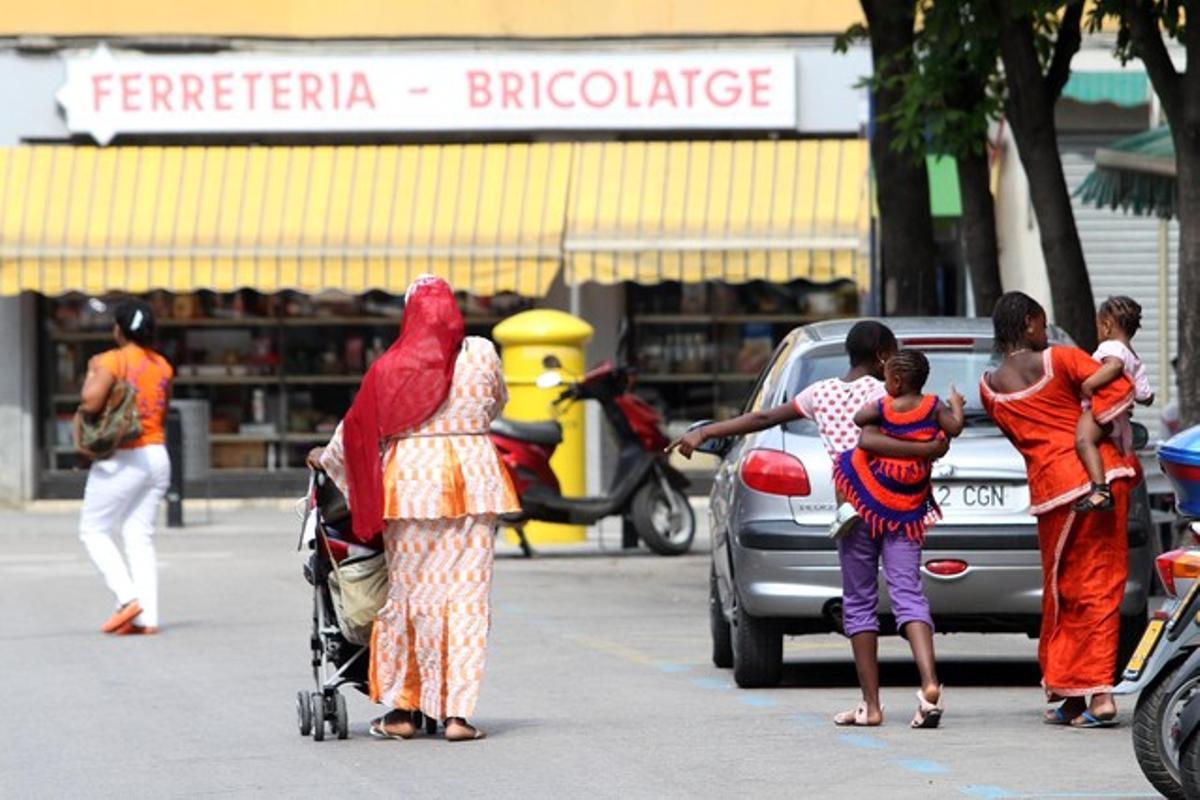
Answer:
(699, 348)
(278, 371)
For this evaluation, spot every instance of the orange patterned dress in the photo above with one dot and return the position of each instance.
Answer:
(444, 487)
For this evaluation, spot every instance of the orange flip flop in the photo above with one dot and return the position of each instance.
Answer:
(122, 616)
(129, 629)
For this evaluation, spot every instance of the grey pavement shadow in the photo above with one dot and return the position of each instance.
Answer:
(953, 671)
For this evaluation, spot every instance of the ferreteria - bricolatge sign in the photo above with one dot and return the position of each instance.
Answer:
(108, 93)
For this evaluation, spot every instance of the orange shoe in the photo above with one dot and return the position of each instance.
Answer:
(122, 616)
(129, 629)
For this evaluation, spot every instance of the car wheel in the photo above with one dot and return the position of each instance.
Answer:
(1154, 720)
(757, 650)
(722, 641)
(1132, 628)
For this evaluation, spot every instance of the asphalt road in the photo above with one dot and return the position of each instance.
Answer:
(598, 685)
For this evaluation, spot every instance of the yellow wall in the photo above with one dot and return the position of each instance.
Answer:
(405, 18)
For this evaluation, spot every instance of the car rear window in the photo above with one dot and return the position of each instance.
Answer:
(958, 366)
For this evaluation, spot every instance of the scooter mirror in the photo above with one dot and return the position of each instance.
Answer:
(548, 380)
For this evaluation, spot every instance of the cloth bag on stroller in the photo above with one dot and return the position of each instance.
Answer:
(359, 588)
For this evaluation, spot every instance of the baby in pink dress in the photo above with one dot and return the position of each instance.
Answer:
(1118, 319)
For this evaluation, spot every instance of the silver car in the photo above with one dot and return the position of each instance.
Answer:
(774, 568)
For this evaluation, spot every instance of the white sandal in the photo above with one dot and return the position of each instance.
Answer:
(929, 715)
(856, 718)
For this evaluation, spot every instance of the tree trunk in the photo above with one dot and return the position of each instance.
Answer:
(1030, 111)
(979, 231)
(909, 255)
(1187, 160)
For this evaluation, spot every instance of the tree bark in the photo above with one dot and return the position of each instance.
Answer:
(1030, 110)
(909, 255)
(1187, 170)
(979, 231)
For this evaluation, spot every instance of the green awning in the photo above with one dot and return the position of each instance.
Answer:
(1134, 174)
(944, 198)
(1126, 89)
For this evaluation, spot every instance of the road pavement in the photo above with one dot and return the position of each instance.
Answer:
(598, 685)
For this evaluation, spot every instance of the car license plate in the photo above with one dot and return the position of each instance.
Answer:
(1145, 647)
(981, 497)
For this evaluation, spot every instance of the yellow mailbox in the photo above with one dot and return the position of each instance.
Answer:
(527, 339)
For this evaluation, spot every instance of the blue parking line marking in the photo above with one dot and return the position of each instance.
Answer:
(758, 701)
(666, 666)
(864, 741)
(921, 765)
(809, 720)
(711, 683)
(986, 792)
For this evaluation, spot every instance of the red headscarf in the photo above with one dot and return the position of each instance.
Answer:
(401, 390)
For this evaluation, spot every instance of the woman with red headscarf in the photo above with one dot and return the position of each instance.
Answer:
(415, 462)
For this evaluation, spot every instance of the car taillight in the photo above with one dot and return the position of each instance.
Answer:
(775, 472)
(946, 568)
(1177, 564)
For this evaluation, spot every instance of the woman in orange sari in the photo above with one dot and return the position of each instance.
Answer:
(1034, 396)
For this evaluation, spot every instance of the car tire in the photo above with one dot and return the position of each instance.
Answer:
(757, 650)
(722, 640)
(1132, 628)
(1147, 737)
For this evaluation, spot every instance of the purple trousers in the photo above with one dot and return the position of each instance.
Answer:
(859, 554)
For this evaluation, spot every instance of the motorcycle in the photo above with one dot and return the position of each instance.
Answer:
(646, 490)
(1165, 667)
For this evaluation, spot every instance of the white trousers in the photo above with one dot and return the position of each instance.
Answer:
(126, 490)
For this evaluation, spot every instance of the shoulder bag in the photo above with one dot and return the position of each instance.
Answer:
(97, 436)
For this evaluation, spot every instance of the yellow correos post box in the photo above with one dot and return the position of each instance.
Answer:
(527, 340)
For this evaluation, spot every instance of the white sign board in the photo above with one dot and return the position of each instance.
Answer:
(110, 93)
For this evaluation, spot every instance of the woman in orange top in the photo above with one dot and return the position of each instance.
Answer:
(126, 488)
(1034, 396)
(415, 462)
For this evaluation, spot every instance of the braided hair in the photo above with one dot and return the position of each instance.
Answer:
(911, 367)
(1010, 317)
(1125, 312)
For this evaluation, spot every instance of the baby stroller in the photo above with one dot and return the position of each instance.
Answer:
(340, 650)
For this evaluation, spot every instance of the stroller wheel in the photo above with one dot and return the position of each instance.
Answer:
(304, 713)
(341, 719)
(318, 713)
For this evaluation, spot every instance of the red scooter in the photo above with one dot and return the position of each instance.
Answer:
(646, 491)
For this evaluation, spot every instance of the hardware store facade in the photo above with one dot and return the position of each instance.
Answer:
(273, 198)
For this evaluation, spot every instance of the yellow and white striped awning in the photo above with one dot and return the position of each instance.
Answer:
(719, 210)
(489, 218)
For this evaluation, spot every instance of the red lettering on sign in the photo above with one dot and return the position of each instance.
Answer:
(630, 98)
(553, 82)
(510, 89)
(479, 89)
(130, 90)
(100, 89)
(689, 76)
(536, 78)
(222, 91)
(759, 87)
(251, 79)
(192, 87)
(160, 92)
(589, 80)
(360, 91)
(727, 96)
(335, 78)
(310, 91)
(280, 91)
(662, 91)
